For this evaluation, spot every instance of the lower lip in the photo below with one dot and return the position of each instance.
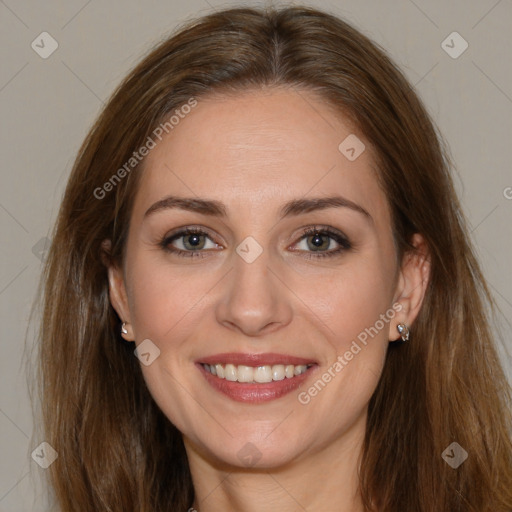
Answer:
(255, 393)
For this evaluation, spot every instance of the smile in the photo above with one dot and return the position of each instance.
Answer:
(258, 374)
(255, 378)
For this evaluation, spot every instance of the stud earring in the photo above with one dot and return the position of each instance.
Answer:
(404, 331)
(124, 330)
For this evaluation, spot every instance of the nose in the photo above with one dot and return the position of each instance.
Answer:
(255, 300)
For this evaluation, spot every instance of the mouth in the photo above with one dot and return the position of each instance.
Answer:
(255, 377)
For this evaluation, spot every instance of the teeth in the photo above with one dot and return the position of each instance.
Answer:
(263, 374)
(260, 374)
(230, 372)
(288, 371)
(278, 372)
(297, 370)
(219, 370)
(245, 374)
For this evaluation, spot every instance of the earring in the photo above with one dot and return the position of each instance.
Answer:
(404, 331)
(124, 330)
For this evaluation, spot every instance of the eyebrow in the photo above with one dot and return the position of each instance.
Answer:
(295, 207)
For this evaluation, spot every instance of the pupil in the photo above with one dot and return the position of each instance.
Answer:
(194, 240)
(317, 240)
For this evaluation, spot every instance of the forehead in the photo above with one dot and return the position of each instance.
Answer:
(258, 149)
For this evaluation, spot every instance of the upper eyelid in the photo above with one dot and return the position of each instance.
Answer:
(180, 232)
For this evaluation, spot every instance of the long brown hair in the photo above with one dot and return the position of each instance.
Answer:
(445, 386)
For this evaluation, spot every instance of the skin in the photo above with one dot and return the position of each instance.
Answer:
(254, 151)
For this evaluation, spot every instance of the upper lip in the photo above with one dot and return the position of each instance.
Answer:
(267, 359)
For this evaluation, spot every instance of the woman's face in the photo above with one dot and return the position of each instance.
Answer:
(249, 291)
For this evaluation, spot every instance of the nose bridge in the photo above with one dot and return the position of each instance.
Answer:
(253, 300)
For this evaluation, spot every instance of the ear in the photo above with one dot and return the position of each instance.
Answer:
(411, 285)
(117, 291)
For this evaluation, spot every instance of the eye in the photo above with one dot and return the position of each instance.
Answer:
(188, 242)
(318, 239)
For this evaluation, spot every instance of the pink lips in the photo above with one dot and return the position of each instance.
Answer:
(255, 392)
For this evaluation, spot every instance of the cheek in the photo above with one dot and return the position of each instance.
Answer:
(355, 307)
(351, 300)
(162, 296)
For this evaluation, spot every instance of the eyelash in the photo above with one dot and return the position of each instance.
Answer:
(310, 231)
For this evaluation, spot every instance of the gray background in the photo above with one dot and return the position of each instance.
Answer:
(48, 105)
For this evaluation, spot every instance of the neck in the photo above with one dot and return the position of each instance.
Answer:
(326, 479)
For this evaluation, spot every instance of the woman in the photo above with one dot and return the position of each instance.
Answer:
(263, 215)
